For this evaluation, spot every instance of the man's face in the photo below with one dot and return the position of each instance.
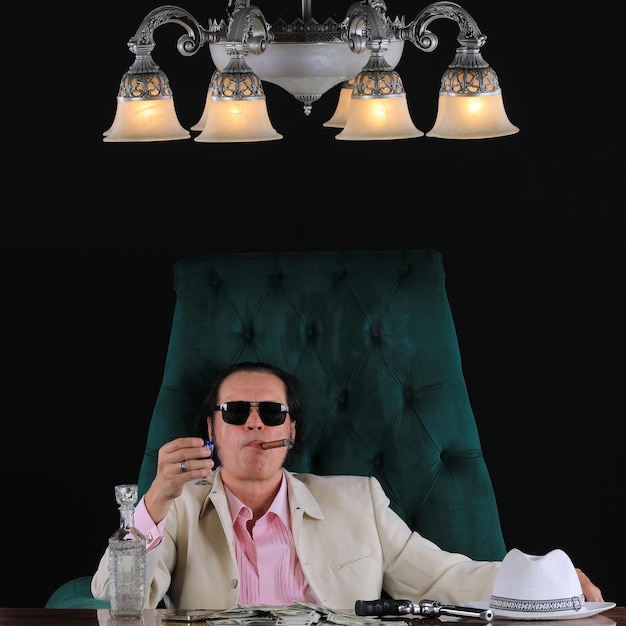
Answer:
(239, 448)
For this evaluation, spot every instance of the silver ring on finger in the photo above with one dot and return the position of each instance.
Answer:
(183, 467)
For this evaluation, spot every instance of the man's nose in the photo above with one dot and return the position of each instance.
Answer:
(254, 419)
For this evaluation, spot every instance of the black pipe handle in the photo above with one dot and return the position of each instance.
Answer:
(382, 606)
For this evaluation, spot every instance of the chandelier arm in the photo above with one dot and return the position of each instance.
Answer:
(195, 38)
(249, 27)
(418, 34)
(366, 26)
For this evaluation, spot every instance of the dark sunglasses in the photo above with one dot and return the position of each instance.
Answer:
(237, 413)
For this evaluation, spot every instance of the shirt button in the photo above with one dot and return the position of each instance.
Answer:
(233, 583)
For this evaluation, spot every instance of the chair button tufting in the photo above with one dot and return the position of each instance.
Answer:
(405, 268)
(376, 330)
(340, 273)
(342, 399)
(214, 279)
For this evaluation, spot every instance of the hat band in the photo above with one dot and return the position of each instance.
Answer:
(537, 606)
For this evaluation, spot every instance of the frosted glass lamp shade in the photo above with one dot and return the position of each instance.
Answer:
(201, 123)
(146, 120)
(340, 116)
(379, 118)
(236, 120)
(471, 117)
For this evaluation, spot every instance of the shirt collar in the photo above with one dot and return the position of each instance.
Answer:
(279, 506)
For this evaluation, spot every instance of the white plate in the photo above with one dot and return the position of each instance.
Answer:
(593, 608)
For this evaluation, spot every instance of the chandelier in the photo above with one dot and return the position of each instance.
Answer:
(307, 58)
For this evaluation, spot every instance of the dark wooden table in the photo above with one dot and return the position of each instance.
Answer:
(153, 617)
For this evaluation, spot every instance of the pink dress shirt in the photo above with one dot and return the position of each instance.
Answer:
(268, 564)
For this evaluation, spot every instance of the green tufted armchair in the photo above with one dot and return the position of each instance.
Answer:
(372, 337)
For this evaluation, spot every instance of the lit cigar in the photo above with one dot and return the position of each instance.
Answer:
(278, 443)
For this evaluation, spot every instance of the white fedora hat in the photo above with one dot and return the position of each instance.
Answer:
(539, 588)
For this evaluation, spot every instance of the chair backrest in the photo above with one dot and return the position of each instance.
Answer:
(372, 338)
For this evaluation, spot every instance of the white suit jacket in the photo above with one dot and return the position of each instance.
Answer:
(350, 543)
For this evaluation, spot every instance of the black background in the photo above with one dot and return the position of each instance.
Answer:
(531, 228)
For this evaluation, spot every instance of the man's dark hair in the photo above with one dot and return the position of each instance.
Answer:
(293, 388)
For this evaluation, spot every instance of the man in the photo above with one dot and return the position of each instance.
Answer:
(255, 533)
